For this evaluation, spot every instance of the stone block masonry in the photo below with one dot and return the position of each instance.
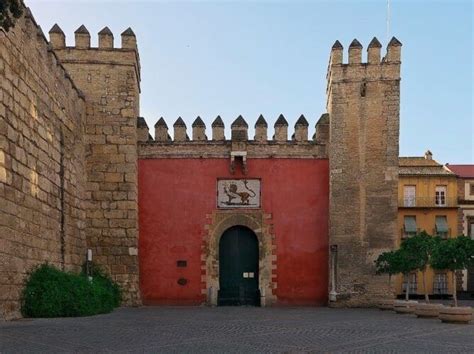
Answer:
(68, 156)
(42, 166)
(109, 78)
(363, 103)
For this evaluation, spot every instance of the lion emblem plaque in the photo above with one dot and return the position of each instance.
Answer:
(238, 193)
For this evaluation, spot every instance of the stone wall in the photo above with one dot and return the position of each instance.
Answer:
(109, 78)
(363, 104)
(41, 162)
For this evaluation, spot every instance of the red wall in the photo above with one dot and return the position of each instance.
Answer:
(176, 194)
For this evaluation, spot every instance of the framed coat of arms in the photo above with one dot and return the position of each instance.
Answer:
(238, 193)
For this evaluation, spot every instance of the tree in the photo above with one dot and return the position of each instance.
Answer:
(386, 264)
(421, 247)
(10, 10)
(406, 261)
(394, 262)
(453, 254)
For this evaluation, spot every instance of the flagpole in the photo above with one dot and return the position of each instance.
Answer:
(388, 20)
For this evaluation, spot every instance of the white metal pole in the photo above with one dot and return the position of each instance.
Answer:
(388, 20)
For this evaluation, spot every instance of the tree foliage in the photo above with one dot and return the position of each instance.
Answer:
(420, 247)
(406, 260)
(453, 254)
(403, 260)
(409, 257)
(386, 263)
(10, 11)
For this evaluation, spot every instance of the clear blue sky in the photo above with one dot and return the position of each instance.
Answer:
(242, 57)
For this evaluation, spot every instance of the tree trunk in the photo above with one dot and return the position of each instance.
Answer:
(427, 298)
(455, 298)
(407, 291)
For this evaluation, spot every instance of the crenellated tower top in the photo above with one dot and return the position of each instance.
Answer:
(355, 69)
(82, 38)
(104, 53)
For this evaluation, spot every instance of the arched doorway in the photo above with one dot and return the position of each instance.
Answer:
(238, 268)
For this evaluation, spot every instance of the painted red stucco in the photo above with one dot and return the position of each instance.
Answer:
(176, 194)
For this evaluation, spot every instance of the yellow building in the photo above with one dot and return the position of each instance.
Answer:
(427, 201)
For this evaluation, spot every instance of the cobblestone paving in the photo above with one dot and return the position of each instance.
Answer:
(234, 329)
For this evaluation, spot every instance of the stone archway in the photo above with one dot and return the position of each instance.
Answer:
(260, 224)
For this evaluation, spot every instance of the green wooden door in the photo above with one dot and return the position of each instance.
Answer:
(238, 268)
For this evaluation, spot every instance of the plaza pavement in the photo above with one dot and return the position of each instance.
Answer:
(237, 329)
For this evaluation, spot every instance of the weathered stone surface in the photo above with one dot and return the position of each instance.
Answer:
(261, 129)
(112, 96)
(239, 129)
(106, 38)
(199, 129)
(281, 129)
(213, 149)
(218, 129)
(363, 104)
(301, 129)
(161, 130)
(42, 165)
(180, 130)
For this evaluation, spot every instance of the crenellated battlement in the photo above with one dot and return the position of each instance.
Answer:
(374, 49)
(82, 39)
(199, 145)
(239, 131)
(376, 67)
(82, 52)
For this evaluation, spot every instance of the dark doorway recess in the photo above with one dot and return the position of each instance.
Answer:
(238, 268)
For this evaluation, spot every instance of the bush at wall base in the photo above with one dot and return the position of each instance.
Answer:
(50, 292)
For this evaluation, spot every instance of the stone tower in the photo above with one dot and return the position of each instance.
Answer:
(363, 102)
(110, 80)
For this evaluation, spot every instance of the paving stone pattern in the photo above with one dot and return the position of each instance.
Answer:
(237, 329)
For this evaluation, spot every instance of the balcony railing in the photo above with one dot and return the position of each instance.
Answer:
(427, 202)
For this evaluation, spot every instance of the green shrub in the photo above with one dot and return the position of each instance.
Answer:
(50, 292)
(110, 290)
